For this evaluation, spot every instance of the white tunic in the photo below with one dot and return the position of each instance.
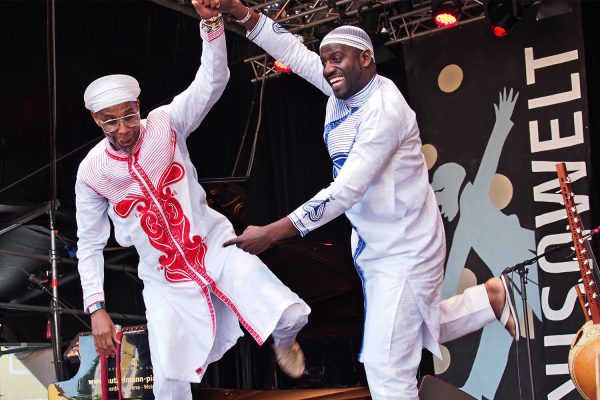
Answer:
(157, 205)
(381, 183)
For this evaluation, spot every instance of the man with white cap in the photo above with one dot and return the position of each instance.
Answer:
(196, 292)
(381, 184)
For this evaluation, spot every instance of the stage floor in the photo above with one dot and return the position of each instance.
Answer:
(356, 393)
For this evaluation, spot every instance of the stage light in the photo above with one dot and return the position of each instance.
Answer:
(499, 31)
(281, 67)
(445, 12)
(502, 14)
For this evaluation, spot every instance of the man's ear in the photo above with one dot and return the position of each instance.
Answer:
(365, 58)
(96, 119)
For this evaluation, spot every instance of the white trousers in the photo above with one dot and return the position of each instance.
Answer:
(165, 388)
(291, 322)
(459, 316)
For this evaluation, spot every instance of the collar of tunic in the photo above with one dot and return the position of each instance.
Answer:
(360, 98)
(340, 108)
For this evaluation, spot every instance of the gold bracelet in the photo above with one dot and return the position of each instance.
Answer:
(209, 25)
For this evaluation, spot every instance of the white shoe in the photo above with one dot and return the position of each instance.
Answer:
(290, 360)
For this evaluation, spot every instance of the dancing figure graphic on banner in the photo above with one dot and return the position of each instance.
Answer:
(489, 232)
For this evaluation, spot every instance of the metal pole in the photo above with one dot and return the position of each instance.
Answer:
(54, 307)
(54, 259)
(523, 275)
(522, 270)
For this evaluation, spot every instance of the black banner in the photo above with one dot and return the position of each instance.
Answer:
(496, 115)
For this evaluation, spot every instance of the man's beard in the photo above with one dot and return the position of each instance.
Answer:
(117, 146)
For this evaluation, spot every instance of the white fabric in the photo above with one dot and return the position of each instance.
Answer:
(350, 36)
(381, 184)
(110, 90)
(164, 388)
(459, 315)
(396, 379)
(465, 313)
(195, 291)
(292, 320)
(169, 389)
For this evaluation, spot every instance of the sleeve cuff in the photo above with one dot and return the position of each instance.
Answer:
(94, 298)
(298, 224)
(253, 34)
(213, 35)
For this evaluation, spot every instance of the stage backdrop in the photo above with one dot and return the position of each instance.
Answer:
(496, 114)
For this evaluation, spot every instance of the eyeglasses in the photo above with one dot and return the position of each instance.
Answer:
(111, 125)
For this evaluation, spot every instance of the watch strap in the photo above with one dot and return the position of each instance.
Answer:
(95, 307)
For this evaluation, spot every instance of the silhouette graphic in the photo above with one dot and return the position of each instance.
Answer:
(497, 238)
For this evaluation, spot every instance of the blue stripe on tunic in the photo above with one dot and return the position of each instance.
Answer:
(359, 249)
(344, 138)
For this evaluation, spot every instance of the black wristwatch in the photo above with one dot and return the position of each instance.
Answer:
(95, 307)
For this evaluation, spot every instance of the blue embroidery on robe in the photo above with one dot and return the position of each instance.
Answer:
(279, 29)
(338, 162)
(359, 249)
(316, 208)
(300, 226)
(339, 158)
(334, 124)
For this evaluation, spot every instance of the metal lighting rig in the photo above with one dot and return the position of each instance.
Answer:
(392, 21)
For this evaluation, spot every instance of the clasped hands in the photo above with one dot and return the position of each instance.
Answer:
(210, 8)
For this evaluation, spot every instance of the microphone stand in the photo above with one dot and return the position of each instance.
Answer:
(522, 270)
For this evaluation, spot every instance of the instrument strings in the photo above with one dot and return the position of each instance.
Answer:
(594, 265)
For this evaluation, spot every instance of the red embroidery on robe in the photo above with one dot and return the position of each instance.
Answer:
(167, 227)
(168, 230)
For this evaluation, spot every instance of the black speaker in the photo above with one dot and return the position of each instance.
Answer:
(433, 388)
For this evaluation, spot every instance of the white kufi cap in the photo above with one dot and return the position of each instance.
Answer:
(109, 91)
(350, 36)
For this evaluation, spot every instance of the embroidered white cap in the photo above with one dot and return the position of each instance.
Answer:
(110, 90)
(351, 36)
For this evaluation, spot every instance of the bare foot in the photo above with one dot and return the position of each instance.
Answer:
(497, 296)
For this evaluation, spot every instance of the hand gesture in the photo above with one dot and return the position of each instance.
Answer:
(506, 105)
(226, 6)
(254, 240)
(104, 333)
(207, 8)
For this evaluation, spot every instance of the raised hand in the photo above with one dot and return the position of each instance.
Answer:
(207, 8)
(506, 104)
(233, 7)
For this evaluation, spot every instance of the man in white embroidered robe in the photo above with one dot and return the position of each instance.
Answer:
(195, 291)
